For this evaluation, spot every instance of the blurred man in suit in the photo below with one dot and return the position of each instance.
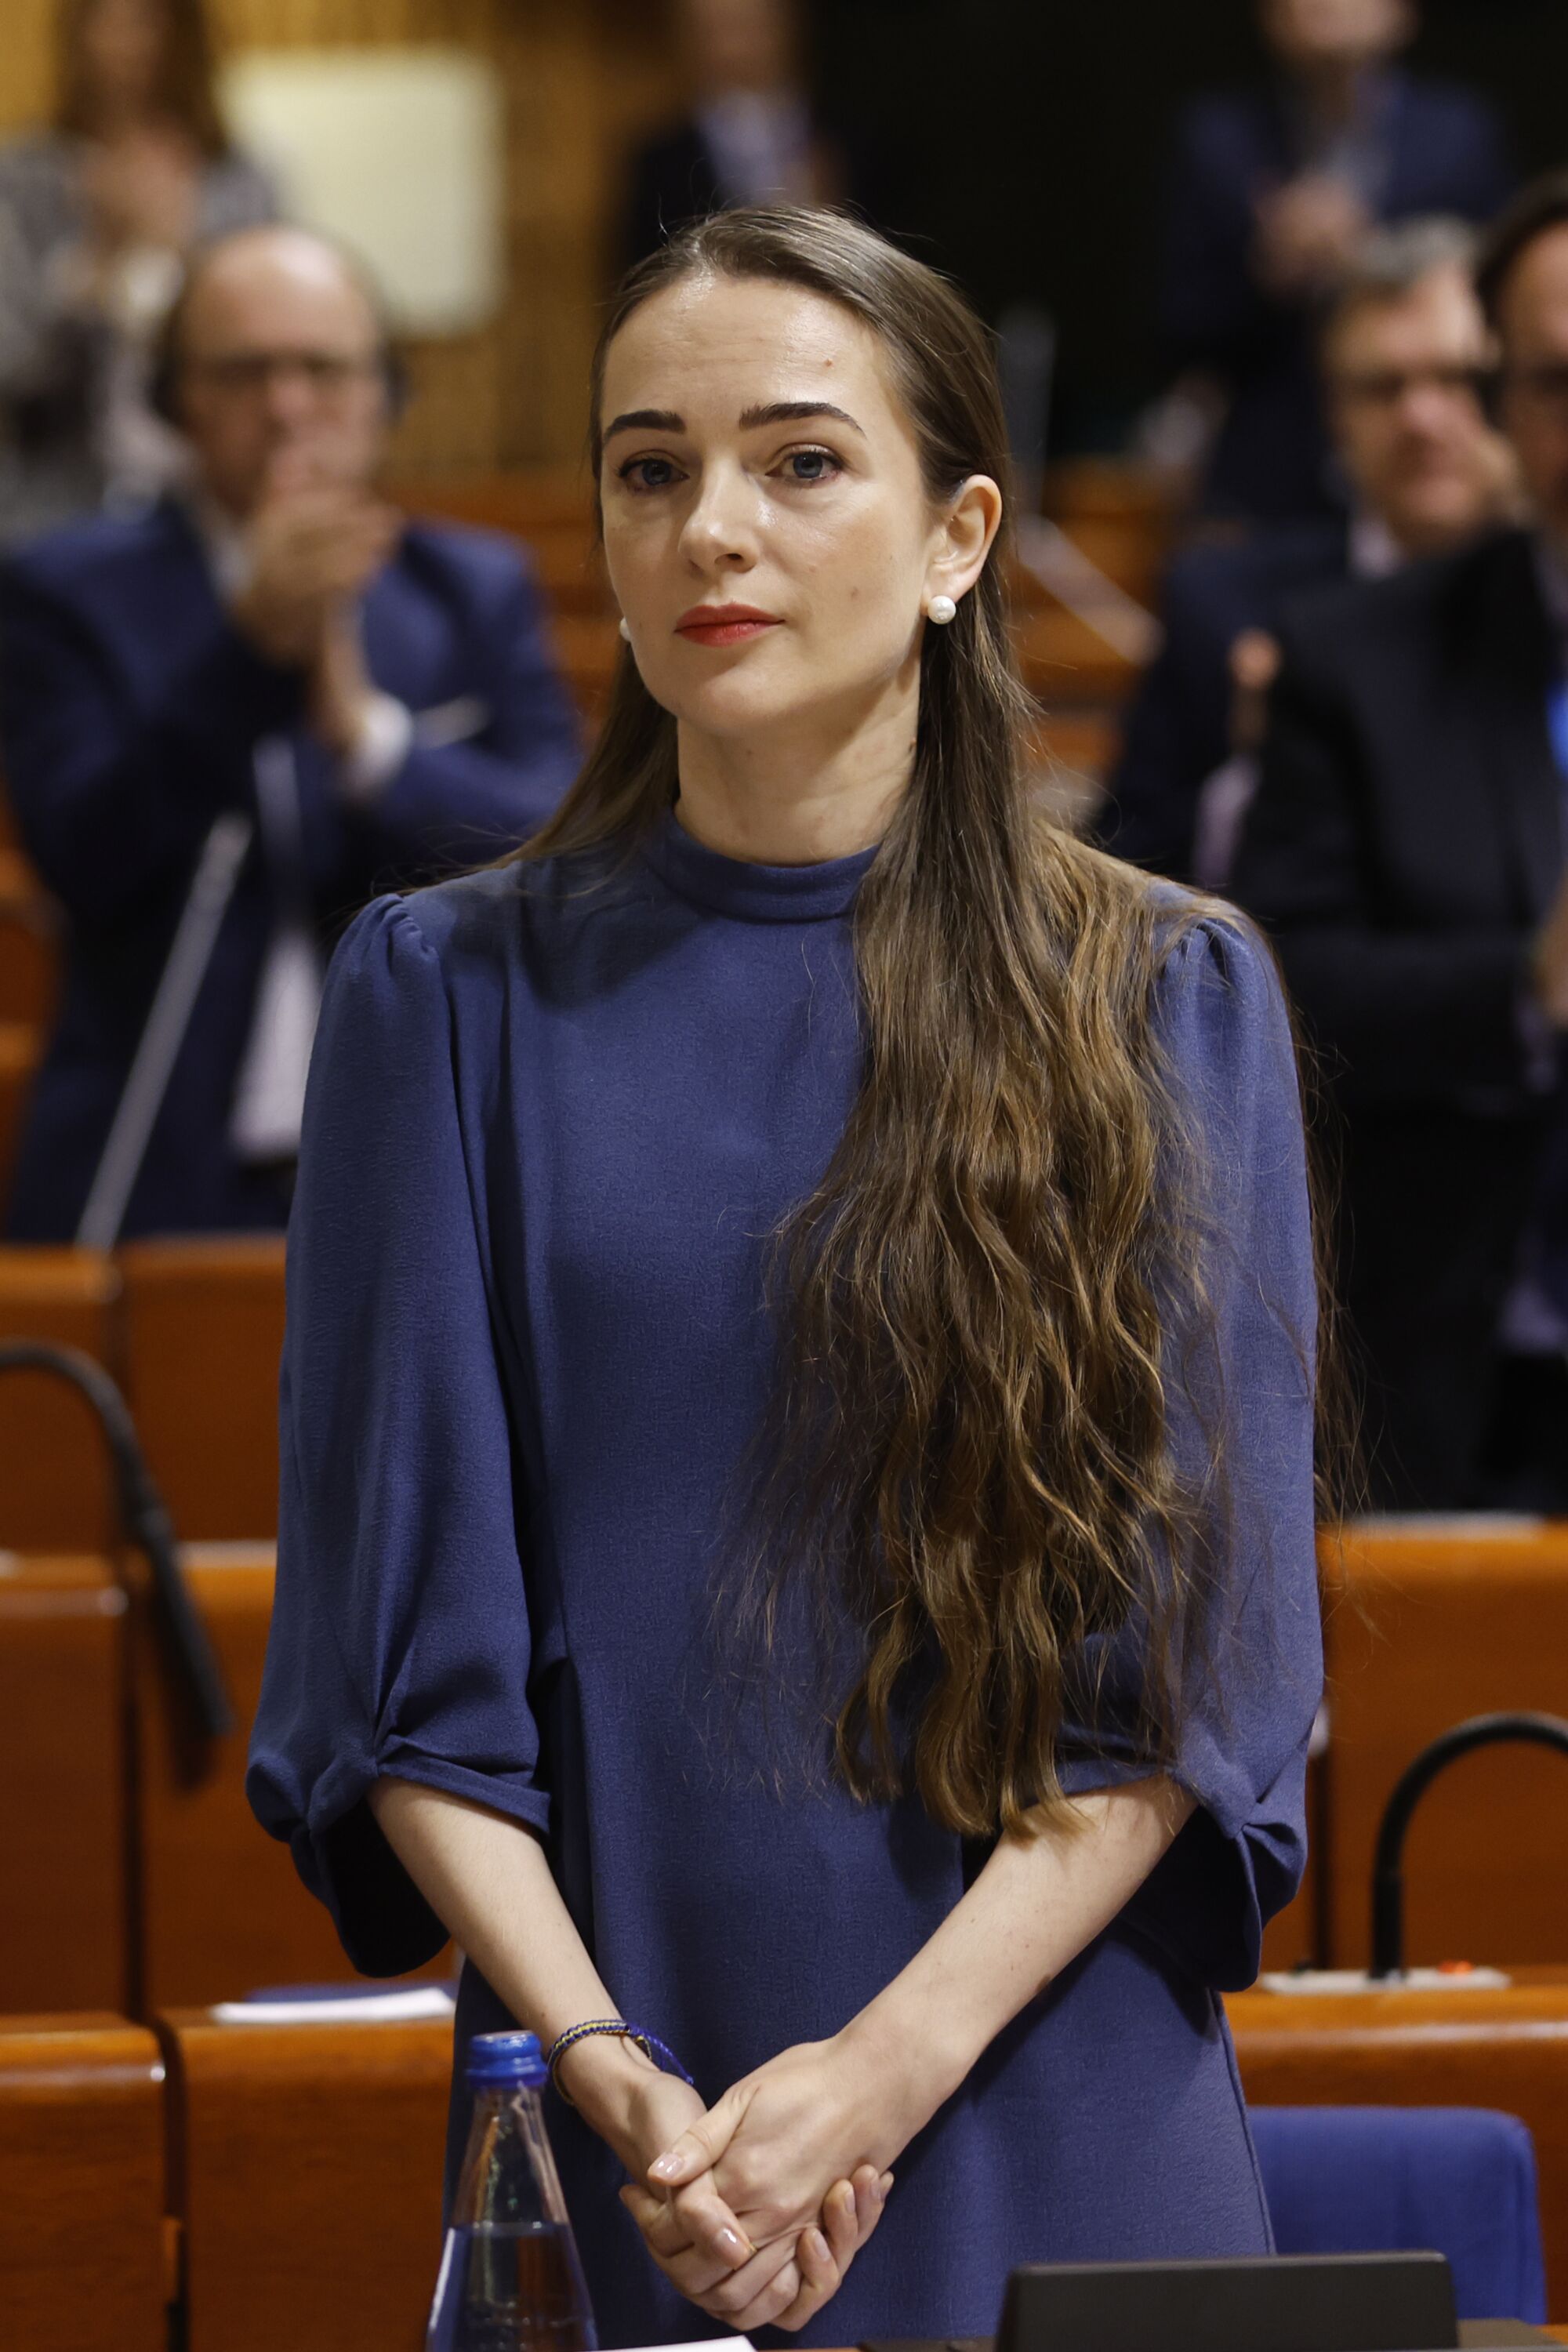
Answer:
(1401, 351)
(1271, 192)
(373, 700)
(1406, 849)
(751, 136)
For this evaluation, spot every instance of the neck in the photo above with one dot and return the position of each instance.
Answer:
(799, 795)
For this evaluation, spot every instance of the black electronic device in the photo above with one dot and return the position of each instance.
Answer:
(1271, 2302)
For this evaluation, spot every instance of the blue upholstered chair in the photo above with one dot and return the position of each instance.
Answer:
(1343, 2180)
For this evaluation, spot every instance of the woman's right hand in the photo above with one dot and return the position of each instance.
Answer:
(693, 2235)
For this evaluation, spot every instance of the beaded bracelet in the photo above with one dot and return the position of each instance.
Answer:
(658, 2052)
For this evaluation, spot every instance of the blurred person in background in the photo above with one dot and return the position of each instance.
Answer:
(1272, 192)
(1405, 848)
(97, 214)
(750, 136)
(1403, 351)
(378, 696)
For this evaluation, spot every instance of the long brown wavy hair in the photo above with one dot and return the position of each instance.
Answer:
(966, 1455)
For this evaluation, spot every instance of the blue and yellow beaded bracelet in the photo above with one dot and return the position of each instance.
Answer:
(658, 2052)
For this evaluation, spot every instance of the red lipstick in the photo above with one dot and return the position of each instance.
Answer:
(725, 625)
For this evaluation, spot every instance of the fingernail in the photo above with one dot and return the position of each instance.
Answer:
(665, 2168)
(818, 2246)
(735, 2246)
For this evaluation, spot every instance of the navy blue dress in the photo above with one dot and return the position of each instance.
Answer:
(555, 1114)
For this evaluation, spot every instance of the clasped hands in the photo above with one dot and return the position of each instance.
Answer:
(755, 2207)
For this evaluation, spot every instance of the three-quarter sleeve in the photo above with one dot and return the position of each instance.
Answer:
(1247, 1674)
(399, 1643)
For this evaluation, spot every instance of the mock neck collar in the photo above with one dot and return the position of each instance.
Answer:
(750, 892)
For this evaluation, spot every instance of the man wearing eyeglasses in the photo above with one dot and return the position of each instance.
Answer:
(1401, 348)
(365, 701)
(1406, 850)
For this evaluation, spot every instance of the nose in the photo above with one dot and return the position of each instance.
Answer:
(721, 533)
(288, 399)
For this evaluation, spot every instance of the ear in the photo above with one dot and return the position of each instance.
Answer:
(964, 538)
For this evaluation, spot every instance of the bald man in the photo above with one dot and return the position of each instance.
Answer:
(371, 699)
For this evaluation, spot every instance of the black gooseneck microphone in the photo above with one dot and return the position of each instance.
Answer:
(1387, 1869)
(144, 1521)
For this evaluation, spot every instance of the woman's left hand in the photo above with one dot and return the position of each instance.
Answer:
(779, 2139)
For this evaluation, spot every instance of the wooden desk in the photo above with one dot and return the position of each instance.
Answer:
(62, 1767)
(204, 1331)
(1465, 2049)
(1423, 1626)
(307, 2175)
(223, 1909)
(83, 2250)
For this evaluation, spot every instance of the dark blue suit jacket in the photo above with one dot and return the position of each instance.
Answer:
(129, 714)
(1178, 730)
(1445, 154)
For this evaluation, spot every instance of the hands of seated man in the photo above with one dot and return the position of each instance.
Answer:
(776, 2263)
(790, 2150)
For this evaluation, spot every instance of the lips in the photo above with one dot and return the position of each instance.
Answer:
(723, 625)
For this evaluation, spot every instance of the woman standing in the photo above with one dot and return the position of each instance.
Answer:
(95, 217)
(797, 1517)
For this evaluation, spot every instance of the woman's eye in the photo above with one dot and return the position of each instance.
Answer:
(648, 473)
(812, 465)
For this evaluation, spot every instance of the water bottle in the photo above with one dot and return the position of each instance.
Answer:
(510, 2280)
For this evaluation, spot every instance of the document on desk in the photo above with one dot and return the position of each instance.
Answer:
(703, 2343)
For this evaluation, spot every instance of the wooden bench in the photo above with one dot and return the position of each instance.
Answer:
(223, 1910)
(85, 2255)
(1424, 1626)
(307, 2177)
(203, 1324)
(56, 1494)
(1505, 2048)
(63, 1768)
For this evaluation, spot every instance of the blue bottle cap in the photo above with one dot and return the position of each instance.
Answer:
(504, 2062)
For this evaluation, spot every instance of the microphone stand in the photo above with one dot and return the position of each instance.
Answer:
(1387, 1870)
(144, 1523)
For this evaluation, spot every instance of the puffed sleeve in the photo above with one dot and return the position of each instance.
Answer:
(399, 1641)
(1246, 1676)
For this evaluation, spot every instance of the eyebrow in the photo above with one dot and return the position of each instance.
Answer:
(773, 412)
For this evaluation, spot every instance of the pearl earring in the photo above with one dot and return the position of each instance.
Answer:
(940, 608)
(626, 630)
